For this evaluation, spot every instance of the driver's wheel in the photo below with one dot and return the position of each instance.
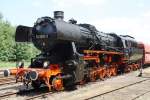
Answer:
(69, 84)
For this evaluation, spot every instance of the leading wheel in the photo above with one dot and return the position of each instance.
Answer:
(57, 84)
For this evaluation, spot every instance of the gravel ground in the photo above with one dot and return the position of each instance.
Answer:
(129, 93)
(95, 88)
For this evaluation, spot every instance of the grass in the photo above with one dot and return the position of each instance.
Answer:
(5, 65)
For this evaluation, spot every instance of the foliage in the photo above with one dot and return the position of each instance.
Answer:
(1, 16)
(25, 51)
(7, 42)
(4, 65)
(9, 49)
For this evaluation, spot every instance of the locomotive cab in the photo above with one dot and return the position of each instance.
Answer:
(132, 52)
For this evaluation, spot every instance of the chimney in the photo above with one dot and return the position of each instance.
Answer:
(59, 15)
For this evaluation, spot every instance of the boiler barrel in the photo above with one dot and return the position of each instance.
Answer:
(71, 32)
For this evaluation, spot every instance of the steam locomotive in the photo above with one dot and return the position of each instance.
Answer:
(74, 53)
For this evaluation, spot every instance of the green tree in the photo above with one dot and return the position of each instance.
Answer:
(9, 49)
(6, 41)
(25, 51)
(1, 16)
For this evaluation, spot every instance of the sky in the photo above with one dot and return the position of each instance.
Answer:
(126, 17)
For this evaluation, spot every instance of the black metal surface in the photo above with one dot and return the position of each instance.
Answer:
(59, 15)
(6, 73)
(23, 34)
(48, 32)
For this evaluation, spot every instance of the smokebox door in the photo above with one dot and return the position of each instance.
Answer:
(23, 34)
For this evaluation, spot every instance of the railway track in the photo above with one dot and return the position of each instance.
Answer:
(7, 80)
(21, 92)
(10, 82)
(1, 75)
(43, 95)
(30, 93)
(1, 70)
(140, 95)
(101, 94)
(7, 94)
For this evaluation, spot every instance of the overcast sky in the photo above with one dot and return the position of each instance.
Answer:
(130, 17)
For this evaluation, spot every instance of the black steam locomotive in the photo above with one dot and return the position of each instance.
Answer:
(81, 52)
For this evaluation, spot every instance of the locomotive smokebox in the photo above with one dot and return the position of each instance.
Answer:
(59, 15)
